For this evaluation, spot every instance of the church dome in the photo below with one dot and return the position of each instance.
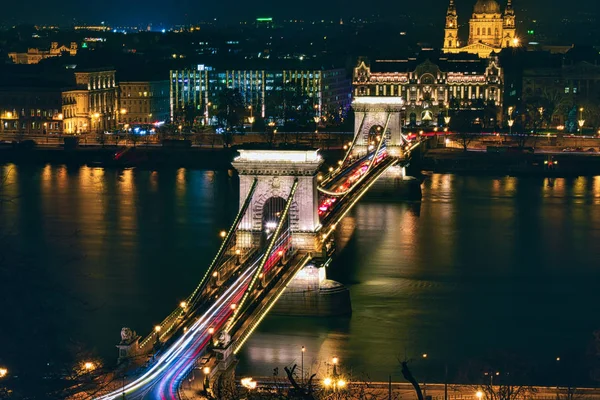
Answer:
(486, 7)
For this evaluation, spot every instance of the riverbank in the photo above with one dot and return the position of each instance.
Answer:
(476, 162)
(145, 157)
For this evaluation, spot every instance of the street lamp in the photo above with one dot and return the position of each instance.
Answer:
(581, 121)
(303, 350)
(3, 372)
(479, 394)
(206, 371)
(223, 234)
(89, 366)
(511, 122)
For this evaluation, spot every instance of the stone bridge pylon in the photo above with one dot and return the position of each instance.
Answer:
(378, 116)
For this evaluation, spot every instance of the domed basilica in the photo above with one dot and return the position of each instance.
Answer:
(489, 29)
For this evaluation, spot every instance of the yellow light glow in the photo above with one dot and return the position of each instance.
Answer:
(96, 115)
(88, 366)
(211, 331)
(238, 252)
(233, 306)
(515, 41)
(327, 382)
(223, 234)
(335, 360)
(248, 383)
(303, 349)
(8, 114)
(3, 372)
(157, 328)
(183, 304)
(424, 355)
(479, 394)
(341, 383)
(123, 111)
(206, 370)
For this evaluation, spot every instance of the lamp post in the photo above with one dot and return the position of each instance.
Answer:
(206, 371)
(511, 122)
(3, 372)
(251, 117)
(157, 331)
(303, 350)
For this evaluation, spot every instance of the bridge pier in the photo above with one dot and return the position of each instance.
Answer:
(395, 184)
(310, 293)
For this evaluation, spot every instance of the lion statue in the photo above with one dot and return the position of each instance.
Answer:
(126, 334)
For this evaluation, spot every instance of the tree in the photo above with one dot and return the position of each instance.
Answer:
(461, 125)
(230, 109)
(499, 377)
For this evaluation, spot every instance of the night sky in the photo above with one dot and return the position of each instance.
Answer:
(120, 12)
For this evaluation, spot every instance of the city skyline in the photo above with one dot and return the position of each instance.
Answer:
(184, 11)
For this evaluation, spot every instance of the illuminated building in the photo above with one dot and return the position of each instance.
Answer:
(328, 90)
(34, 56)
(91, 106)
(143, 102)
(30, 110)
(189, 88)
(489, 29)
(429, 89)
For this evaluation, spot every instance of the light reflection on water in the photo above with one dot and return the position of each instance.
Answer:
(481, 263)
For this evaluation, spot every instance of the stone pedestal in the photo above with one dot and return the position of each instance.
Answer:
(129, 346)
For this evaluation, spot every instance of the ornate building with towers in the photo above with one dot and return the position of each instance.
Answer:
(490, 30)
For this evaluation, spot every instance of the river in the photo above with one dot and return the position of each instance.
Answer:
(482, 265)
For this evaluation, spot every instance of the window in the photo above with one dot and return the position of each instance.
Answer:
(566, 90)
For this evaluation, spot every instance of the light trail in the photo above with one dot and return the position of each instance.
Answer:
(182, 343)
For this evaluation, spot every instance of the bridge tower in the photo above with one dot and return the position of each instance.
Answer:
(276, 171)
(378, 116)
(310, 292)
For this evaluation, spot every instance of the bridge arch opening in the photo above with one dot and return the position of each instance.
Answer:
(271, 215)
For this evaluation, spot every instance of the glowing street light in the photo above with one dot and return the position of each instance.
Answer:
(511, 122)
(233, 306)
(424, 355)
(183, 305)
(248, 383)
(206, 370)
(89, 366)
(3, 372)
(479, 394)
(327, 382)
(223, 234)
(341, 384)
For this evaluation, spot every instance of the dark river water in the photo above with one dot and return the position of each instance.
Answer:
(481, 266)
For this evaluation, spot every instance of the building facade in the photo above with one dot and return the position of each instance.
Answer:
(30, 110)
(567, 87)
(91, 106)
(327, 90)
(428, 89)
(144, 102)
(490, 30)
(34, 55)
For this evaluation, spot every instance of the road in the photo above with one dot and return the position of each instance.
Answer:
(162, 379)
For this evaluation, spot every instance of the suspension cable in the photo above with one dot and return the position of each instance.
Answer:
(354, 139)
(225, 243)
(266, 255)
(332, 193)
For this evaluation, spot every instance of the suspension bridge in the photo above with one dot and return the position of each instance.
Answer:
(288, 213)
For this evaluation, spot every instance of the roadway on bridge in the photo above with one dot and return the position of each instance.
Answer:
(161, 381)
